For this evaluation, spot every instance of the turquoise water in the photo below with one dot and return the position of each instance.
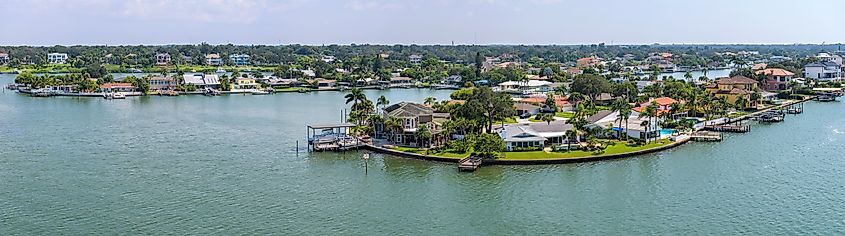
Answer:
(664, 132)
(227, 165)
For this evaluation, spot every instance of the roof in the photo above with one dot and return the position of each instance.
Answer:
(736, 80)
(525, 106)
(521, 133)
(212, 56)
(665, 101)
(400, 79)
(116, 85)
(822, 64)
(535, 100)
(201, 79)
(161, 78)
(775, 72)
(408, 109)
(759, 66)
(530, 83)
(598, 116)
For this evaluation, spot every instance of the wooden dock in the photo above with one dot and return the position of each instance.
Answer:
(706, 136)
(469, 163)
(728, 128)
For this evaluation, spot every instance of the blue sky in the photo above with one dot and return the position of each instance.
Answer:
(132, 22)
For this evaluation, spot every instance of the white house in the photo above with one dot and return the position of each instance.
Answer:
(57, 58)
(540, 86)
(415, 59)
(4, 58)
(202, 80)
(213, 59)
(823, 71)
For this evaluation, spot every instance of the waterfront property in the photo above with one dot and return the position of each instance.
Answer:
(161, 84)
(733, 88)
(245, 83)
(776, 78)
(4, 58)
(118, 88)
(202, 81)
(57, 58)
(823, 71)
(533, 136)
(411, 117)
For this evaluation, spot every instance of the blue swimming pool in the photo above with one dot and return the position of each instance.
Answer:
(666, 132)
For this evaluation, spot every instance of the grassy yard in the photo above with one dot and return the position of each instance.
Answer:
(292, 89)
(616, 148)
(565, 114)
(737, 114)
(446, 153)
(511, 120)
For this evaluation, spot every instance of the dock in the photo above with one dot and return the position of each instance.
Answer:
(469, 163)
(728, 128)
(706, 136)
(332, 137)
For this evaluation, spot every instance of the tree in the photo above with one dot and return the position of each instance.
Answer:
(548, 118)
(355, 96)
(382, 102)
(590, 85)
(430, 101)
(487, 107)
(487, 145)
(478, 62)
(423, 135)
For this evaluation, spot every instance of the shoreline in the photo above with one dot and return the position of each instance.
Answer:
(681, 140)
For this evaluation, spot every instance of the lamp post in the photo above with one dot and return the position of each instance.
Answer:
(366, 158)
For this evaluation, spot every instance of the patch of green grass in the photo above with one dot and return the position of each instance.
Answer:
(565, 114)
(616, 148)
(290, 89)
(511, 120)
(737, 114)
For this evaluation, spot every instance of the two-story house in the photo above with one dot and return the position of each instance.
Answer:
(733, 88)
(213, 59)
(4, 58)
(57, 58)
(245, 83)
(823, 71)
(162, 59)
(776, 78)
(415, 59)
(162, 84)
(412, 116)
(239, 59)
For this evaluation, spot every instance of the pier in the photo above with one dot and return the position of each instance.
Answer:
(332, 137)
(469, 163)
(706, 136)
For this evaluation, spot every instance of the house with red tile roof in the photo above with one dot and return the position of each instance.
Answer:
(776, 78)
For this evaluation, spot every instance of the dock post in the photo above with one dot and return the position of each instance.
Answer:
(297, 147)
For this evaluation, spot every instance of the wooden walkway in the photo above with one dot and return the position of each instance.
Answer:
(469, 163)
(706, 136)
(728, 128)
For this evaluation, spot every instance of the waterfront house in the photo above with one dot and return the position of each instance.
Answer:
(117, 88)
(415, 59)
(57, 58)
(245, 83)
(412, 116)
(202, 81)
(733, 88)
(400, 81)
(530, 86)
(325, 83)
(533, 136)
(162, 84)
(239, 59)
(4, 58)
(213, 59)
(162, 59)
(776, 78)
(606, 120)
(823, 71)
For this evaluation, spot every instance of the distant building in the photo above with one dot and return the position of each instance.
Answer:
(239, 59)
(162, 84)
(4, 58)
(587, 62)
(162, 58)
(776, 78)
(823, 71)
(328, 59)
(57, 58)
(213, 59)
(202, 80)
(415, 59)
(831, 58)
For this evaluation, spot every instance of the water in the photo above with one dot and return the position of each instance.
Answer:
(712, 74)
(227, 165)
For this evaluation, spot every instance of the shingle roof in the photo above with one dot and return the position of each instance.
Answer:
(408, 109)
(598, 116)
(736, 80)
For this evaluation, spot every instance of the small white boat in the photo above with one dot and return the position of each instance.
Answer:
(220, 70)
(118, 96)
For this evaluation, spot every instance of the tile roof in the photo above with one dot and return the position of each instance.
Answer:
(736, 80)
(775, 72)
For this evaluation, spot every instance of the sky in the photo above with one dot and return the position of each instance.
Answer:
(313, 22)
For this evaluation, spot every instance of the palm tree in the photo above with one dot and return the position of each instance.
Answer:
(617, 106)
(423, 136)
(688, 76)
(355, 96)
(575, 98)
(393, 124)
(649, 112)
(430, 100)
(569, 134)
(382, 102)
(625, 113)
(646, 124)
(548, 118)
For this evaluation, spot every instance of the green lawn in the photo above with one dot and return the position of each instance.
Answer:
(618, 147)
(511, 120)
(565, 114)
(737, 114)
(294, 89)
(447, 153)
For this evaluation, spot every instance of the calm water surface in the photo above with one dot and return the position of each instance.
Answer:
(227, 165)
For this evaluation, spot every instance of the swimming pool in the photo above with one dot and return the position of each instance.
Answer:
(666, 132)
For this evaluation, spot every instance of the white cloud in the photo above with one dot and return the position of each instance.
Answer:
(359, 5)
